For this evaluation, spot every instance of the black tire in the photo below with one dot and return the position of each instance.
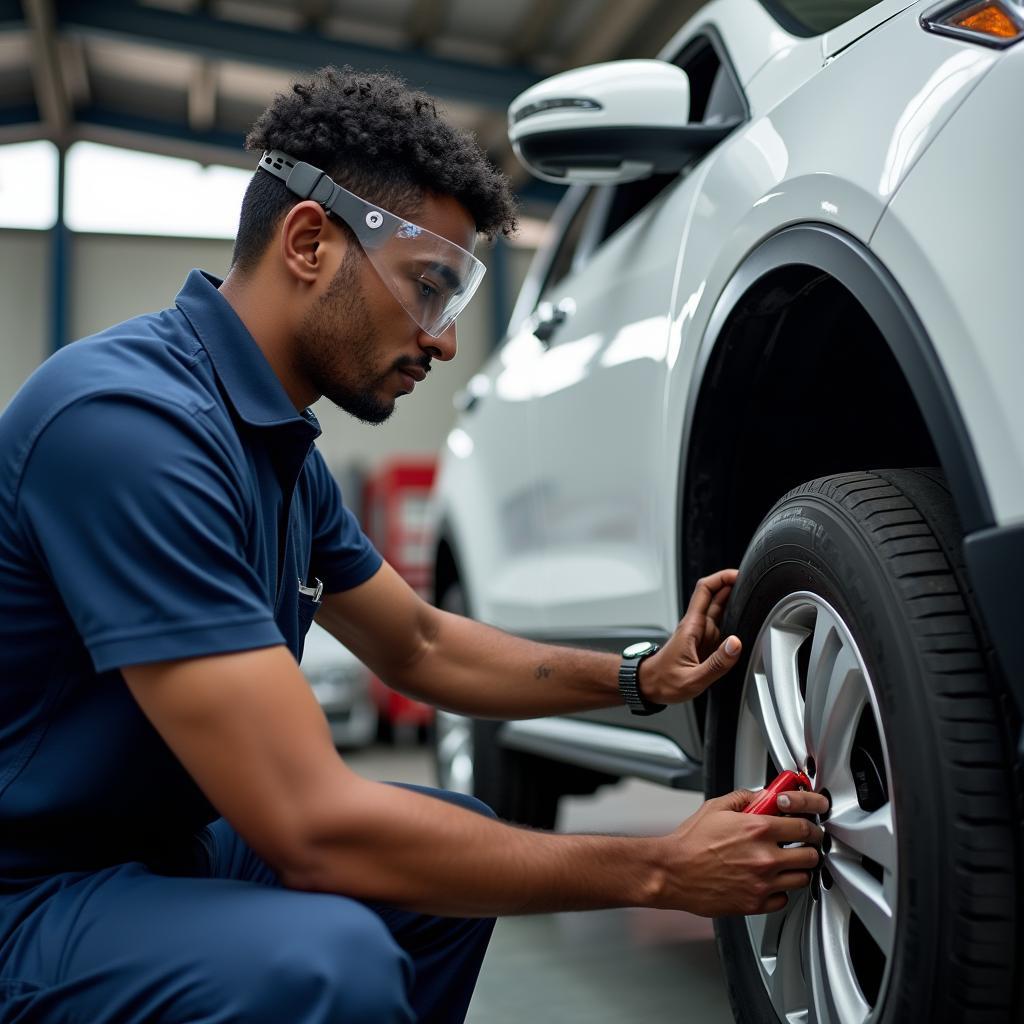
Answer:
(883, 549)
(518, 787)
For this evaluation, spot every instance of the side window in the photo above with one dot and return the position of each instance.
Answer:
(715, 99)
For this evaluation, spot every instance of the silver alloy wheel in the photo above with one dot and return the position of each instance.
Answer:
(808, 702)
(454, 752)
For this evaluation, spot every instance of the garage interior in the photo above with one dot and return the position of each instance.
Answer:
(183, 79)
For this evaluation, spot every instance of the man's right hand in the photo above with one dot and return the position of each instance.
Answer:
(722, 862)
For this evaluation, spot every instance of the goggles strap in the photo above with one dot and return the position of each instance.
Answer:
(305, 180)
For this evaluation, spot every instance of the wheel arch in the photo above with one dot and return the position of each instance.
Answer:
(746, 393)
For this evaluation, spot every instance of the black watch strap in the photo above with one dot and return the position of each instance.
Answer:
(629, 686)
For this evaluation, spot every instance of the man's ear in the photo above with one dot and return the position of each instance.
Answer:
(310, 243)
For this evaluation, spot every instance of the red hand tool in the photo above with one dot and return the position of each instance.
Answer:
(767, 801)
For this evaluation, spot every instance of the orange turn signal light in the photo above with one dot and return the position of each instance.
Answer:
(991, 22)
(992, 18)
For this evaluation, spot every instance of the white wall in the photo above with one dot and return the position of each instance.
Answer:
(115, 277)
(24, 286)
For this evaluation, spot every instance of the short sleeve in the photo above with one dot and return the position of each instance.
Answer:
(342, 555)
(135, 508)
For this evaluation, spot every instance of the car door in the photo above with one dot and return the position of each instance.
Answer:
(489, 457)
(602, 461)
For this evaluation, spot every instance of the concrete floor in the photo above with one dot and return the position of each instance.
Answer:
(627, 966)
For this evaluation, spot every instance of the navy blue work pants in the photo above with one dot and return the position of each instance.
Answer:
(127, 946)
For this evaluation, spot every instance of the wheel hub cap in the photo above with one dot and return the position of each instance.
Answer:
(808, 698)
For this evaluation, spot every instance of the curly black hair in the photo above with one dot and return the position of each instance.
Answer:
(377, 138)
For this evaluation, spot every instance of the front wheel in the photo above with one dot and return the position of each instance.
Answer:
(862, 666)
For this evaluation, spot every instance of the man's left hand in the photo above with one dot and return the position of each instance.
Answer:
(693, 658)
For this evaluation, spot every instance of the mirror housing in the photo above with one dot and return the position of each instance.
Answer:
(609, 123)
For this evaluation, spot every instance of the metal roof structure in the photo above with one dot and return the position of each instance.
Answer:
(187, 77)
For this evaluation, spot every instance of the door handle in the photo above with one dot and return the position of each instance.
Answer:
(549, 317)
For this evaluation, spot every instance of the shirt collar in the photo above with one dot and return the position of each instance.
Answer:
(249, 380)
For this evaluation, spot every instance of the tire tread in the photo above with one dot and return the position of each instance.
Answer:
(927, 572)
(908, 518)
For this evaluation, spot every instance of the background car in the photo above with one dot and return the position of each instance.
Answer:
(341, 683)
(775, 328)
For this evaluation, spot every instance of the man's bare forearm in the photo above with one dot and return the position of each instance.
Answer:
(478, 670)
(384, 843)
(461, 665)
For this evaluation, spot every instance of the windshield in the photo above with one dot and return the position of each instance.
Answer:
(813, 17)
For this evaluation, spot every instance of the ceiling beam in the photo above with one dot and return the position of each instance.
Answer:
(202, 97)
(220, 146)
(426, 19)
(11, 15)
(659, 27)
(539, 21)
(314, 13)
(51, 94)
(24, 119)
(202, 34)
(613, 23)
(75, 70)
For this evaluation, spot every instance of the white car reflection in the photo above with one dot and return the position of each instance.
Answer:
(341, 683)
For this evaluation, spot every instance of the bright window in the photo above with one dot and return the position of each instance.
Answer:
(119, 191)
(28, 185)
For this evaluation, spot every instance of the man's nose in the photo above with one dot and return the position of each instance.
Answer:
(442, 347)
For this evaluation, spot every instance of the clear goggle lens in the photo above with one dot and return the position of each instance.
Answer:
(431, 277)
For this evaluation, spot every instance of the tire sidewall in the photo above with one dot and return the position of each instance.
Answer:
(809, 544)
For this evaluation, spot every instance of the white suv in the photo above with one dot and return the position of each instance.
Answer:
(777, 327)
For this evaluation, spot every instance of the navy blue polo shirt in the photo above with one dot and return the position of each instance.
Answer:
(160, 497)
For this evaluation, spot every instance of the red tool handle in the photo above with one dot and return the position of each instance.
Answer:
(766, 802)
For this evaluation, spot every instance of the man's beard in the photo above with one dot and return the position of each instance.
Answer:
(337, 345)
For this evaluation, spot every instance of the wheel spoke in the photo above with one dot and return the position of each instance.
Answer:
(805, 957)
(787, 988)
(819, 1007)
(836, 997)
(826, 646)
(775, 692)
(869, 834)
(865, 897)
(764, 935)
(834, 704)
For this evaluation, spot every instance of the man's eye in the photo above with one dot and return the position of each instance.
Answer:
(427, 290)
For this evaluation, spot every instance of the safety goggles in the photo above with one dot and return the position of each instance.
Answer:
(430, 276)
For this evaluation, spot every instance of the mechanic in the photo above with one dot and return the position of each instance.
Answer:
(179, 839)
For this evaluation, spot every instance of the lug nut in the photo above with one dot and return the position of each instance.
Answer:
(828, 796)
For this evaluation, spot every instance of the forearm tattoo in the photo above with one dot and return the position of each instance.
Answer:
(542, 672)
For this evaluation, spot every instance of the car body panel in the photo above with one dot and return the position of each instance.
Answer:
(506, 560)
(842, 36)
(583, 541)
(631, 348)
(949, 250)
(753, 36)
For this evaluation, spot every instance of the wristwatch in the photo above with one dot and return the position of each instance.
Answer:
(628, 685)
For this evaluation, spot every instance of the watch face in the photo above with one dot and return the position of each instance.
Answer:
(638, 649)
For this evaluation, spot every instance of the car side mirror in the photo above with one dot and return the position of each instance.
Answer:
(609, 123)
